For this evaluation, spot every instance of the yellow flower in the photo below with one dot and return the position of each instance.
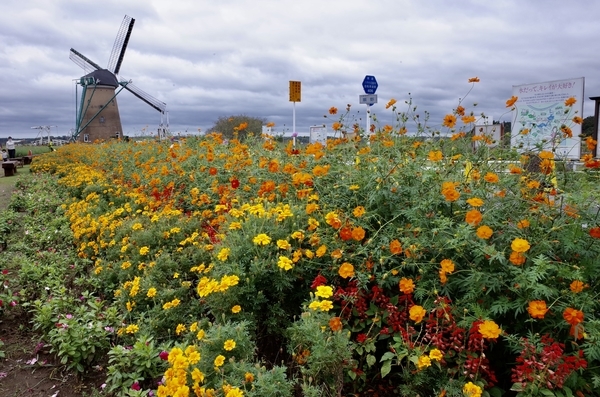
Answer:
(417, 313)
(132, 329)
(223, 254)
(468, 119)
(324, 291)
(447, 265)
(219, 360)
(471, 390)
(144, 250)
(423, 362)
(200, 335)
(346, 270)
(151, 292)
(180, 328)
(489, 329)
(261, 239)
(285, 263)
(520, 245)
(484, 232)
(229, 345)
(314, 305)
(354, 187)
(236, 309)
(435, 155)
(436, 354)
(325, 305)
(359, 211)
(283, 244)
(523, 223)
(475, 202)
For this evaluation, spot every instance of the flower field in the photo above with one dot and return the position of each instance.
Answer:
(389, 264)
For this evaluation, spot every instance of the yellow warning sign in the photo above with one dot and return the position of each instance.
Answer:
(295, 91)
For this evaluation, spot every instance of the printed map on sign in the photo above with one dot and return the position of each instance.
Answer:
(540, 113)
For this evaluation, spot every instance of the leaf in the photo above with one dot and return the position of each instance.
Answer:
(371, 360)
(386, 368)
(387, 356)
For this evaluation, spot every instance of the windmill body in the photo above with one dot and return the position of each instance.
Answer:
(98, 117)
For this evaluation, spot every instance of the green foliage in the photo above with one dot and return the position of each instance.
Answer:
(238, 126)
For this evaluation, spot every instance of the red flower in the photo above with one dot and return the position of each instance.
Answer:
(136, 386)
(319, 280)
(164, 355)
(361, 338)
(235, 184)
(346, 233)
(595, 232)
(212, 171)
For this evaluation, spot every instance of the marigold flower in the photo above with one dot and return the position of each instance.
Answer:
(436, 354)
(473, 217)
(144, 250)
(346, 233)
(416, 313)
(475, 202)
(489, 329)
(229, 345)
(325, 305)
(358, 233)
(449, 121)
(474, 80)
(520, 245)
(219, 360)
(523, 223)
(423, 362)
(491, 177)
(577, 286)
(151, 292)
(223, 254)
(517, 258)
(395, 247)
(447, 265)
(283, 244)
(346, 270)
(248, 377)
(324, 291)
(261, 239)
(537, 309)
(573, 316)
(333, 110)
(406, 285)
(484, 232)
(570, 101)
(236, 309)
(335, 324)
(359, 211)
(513, 99)
(332, 220)
(471, 390)
(285, 263)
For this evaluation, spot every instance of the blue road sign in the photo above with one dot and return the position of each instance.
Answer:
(370, 85)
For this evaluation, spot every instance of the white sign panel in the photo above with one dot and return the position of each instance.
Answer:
(541, 112)
(318, 133)
(370, 99)
(491, 134)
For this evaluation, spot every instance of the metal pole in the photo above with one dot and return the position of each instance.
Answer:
(368, 131)
(294, 124)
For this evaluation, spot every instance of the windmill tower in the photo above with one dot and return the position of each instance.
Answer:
(97, 111)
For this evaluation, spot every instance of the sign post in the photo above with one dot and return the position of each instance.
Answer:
(370, 86)
(295, 96)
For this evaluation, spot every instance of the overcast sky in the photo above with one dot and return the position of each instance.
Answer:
(207, 59)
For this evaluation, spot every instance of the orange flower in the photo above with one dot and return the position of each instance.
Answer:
(332, 110)
(443, 278)
(390, 103)
(566, 131)
(489, 329)
(570, 101)
(517, 258)
(491, 177)
(595, 232)
(573, 316)
(511, 101)
(577, 120)
(335, 323)
(590, 143)
(520, 245)
(395, 247)
(447, 265)
(358, 233)
(576, 286)
(484, 232)
(450, 194)
(473, 217)
(475, 202)
(346, 233)
(435, 155)
(449, 121)
(523, 223)
(474, 80)
(346, 270)
(359, 211)
(537, 309)
(468, 119)
(406, 285)
(417, 313)
(460, 110)
(212, 171)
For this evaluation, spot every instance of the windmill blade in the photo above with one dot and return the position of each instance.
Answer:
(118, 51)
(144, 96)
(84, 62)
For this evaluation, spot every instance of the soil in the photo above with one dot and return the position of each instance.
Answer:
(28, 368)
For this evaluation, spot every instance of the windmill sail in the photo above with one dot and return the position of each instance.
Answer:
(144, 96)
(118, 51)
(84, 62)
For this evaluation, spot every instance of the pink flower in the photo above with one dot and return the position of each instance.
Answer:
(135, 386)
(164, 355)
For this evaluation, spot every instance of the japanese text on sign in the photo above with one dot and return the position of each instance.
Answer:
(295, 91)
(545, 87)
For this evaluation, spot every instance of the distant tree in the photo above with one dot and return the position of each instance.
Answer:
(238, 126)
(588, 126)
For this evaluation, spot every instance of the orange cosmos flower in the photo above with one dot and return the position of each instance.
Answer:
(332, 110)
(537, 309)
(473, 217)
(468, 119)
(590, 143)
(406, 285)
(577, 120)
(566, 131)
(517, 258)
(391, 103)
(395, 247)
(520, 245)
(346, 270)
(417, 313)
(491, 177)
(570, 101)
(358, 233)
(474, 80)
(359, 211)
(484, 232)
(489, 329)
(460, 110)
(595, 232)
(447, 265)
(435, 155)
(450, 194)
(443, 277)
(270, 124)
(513, 99)
(475, 202)
(523, 223)
(335, 323)
(573, 316)
(449, 121)
(576, 286)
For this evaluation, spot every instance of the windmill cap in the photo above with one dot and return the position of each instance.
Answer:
(104, 77)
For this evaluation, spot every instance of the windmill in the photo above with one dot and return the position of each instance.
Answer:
(97, 112)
